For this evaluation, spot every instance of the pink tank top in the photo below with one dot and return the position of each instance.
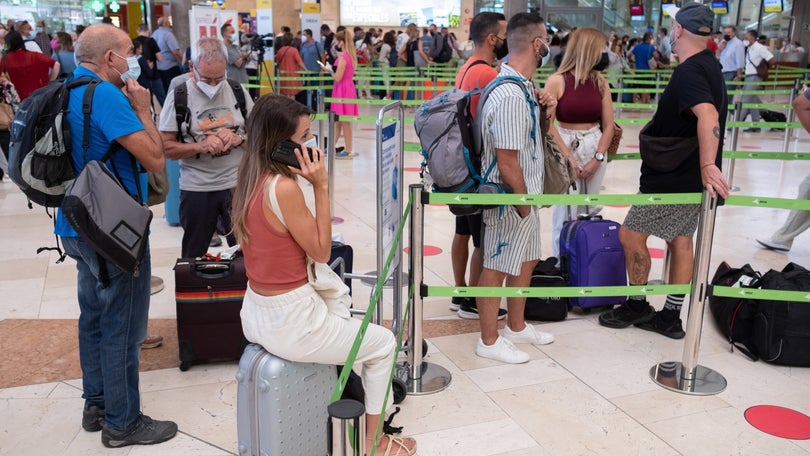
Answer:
(582, 104)
(273, 260)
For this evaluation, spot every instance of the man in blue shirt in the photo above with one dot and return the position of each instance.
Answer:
(311, 51)
(732, 55)
(113, 318)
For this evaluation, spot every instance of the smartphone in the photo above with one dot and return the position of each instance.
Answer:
(284, 152)
(321, 64)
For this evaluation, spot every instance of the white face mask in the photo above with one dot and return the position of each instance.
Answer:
(746, 43)
(209, 91)
(134, 70)
(312, 143)
(303, 38)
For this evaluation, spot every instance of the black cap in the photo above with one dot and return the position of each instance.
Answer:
(694, 17)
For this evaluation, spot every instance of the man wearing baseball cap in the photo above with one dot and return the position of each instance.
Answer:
(689, 123)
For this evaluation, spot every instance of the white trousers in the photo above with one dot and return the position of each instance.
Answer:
(583, 144)
(312, 324)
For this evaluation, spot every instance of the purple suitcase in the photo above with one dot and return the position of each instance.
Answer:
(591, 255)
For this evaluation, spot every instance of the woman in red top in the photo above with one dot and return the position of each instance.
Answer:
(295, 306)
(27, 70)
(289, 64)
(584, 115)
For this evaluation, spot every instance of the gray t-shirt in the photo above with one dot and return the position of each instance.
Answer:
(205, 172)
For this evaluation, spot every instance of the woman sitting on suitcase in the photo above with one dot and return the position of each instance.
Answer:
(295, 306)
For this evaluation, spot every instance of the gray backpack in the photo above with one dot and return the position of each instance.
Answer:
(452, 141)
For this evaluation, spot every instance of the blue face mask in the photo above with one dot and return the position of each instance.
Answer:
(134, 70)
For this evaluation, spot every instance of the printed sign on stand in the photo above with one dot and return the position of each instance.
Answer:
(390, 193)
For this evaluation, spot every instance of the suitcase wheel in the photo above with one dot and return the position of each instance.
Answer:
(185, 365)
(400, 390)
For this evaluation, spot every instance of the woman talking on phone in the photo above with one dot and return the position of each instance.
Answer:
(295, 306)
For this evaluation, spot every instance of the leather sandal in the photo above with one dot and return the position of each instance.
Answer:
(396, 447)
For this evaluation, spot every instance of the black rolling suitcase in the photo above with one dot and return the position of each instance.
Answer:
(209, 297)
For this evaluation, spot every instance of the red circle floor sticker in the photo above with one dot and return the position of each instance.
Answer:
(779, 421)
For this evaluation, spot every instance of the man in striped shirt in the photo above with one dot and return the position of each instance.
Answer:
(512, 138)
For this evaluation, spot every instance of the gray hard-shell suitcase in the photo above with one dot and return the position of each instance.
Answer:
(281, 405)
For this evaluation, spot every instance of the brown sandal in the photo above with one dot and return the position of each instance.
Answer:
(396, 447)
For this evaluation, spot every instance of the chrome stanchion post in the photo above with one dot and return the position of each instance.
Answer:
(323, 136)
(735, 131)
(346, 428)
(330, 162)
(687, 376)
(789, 117)
(423, 377)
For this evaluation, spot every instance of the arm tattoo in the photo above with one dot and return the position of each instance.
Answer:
(716, 131)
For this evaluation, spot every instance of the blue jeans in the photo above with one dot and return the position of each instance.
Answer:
(112, 326)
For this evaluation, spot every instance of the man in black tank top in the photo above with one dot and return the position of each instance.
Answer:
(691, 112)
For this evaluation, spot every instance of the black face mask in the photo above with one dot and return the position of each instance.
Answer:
(727, 37)
(602, 63)
(502, 50)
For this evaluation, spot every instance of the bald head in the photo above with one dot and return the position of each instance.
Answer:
(163, 21)
(96, 40)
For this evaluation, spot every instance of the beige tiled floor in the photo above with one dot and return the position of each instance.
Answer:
(588, 393)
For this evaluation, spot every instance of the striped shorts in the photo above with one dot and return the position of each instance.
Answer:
(510, 241)
(666, 221)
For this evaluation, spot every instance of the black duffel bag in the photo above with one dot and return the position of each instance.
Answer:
(781, 329)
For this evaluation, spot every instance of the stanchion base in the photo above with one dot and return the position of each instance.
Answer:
(434, 378)
(704, 382)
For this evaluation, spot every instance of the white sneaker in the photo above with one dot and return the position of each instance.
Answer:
(770, 245)
(529, 335)
(502, 350)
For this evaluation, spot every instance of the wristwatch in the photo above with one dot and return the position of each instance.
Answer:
(599, 156)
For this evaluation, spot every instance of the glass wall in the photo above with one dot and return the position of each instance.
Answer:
(58, 15)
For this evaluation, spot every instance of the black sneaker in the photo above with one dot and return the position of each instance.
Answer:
(92, 418)
(468, 310)
(673, 330)
(145, 431)
(623, 316)
(752, 130)
(456, 302)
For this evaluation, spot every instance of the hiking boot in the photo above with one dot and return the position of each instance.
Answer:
(623, 316)
(502, 350)
(468, 310)
(672, 329)
(152, 341)
(145, 431)
(92, 418)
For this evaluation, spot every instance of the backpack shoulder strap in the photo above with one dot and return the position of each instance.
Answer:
(477, 62)
(241, 103)
(181, 112)
(478, 142)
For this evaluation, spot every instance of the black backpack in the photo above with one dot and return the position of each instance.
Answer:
(39, 159)
(183, 115)
(443, 53)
